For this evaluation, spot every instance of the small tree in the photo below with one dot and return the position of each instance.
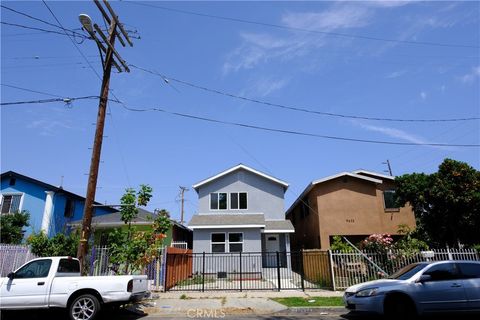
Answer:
(339, 245)
(409, 245)
(131, 247)
(12, 225)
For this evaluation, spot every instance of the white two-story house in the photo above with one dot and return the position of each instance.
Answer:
(242, 210)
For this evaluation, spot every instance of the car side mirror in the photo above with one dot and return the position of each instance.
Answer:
(11, 275)
(424, 278)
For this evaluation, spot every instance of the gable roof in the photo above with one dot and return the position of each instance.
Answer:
(237, 167)
(13, 174)
(114, 219)
(335, 176)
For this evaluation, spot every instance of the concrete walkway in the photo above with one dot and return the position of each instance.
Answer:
(216, 303)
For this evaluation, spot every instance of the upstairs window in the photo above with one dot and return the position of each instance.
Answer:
(390, 200)
(69, 208)
(11, 203)
(218, 201)
(238, 200)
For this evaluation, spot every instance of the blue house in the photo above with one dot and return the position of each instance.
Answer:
(51, 208)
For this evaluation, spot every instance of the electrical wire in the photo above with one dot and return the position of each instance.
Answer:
(297, 133)
(335, 34)
(166, 79)
(73, 41)
(40, 29)
(41, 20)
(30, 90)
(60, 98)
(65, 100)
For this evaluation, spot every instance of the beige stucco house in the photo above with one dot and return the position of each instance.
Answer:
(353, 204)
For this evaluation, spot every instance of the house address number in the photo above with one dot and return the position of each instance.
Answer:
(350, 220)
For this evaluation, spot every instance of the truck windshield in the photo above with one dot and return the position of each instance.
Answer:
(408, 271)
(68, 266)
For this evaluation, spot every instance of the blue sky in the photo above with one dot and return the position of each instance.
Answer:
(348, 74)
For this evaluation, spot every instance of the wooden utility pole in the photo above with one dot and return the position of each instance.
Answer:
(102, 108)
(182, 193)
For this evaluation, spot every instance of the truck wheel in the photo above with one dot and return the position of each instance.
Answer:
(84, 307)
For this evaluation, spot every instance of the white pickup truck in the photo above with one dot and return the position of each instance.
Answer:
(55, 282)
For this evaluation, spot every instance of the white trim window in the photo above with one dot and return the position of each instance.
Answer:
(218, 242)
(235, 242)
(11, 203)
(218, 201)
(238, 201)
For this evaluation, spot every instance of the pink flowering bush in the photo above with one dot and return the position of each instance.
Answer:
(379, 243)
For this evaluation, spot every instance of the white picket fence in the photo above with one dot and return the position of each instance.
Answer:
(350, 268)
(12, 257)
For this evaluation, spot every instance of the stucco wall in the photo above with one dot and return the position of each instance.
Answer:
(348, 206)
(264, 196)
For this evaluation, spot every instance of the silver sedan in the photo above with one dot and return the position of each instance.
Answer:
(420, 288)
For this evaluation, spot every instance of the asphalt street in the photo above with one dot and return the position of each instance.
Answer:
(304, 313)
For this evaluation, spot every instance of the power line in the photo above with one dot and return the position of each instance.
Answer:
(44, 57)
(41, 29)
(30, 90)
(23, 66)
(65, 100)
(335, 34)
(61, 98)
(74, 43)
(294, 108)
(41, 20)
(298, 133)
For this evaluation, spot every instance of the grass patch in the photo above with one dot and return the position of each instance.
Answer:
(194, 280)
(315, 301)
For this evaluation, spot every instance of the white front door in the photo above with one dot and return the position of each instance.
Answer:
(272, 245)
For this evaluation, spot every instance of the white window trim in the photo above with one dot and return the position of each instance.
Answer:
(224, 243)
(227, 241)
(240, 242)
(20, 205)
(238, 199)
(218, 202)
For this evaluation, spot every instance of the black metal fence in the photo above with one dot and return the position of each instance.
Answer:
(245, 271)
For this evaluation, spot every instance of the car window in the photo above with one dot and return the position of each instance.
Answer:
(68, 266)
(469, 270)
(35, 269)
(443, 271)
(408, 271)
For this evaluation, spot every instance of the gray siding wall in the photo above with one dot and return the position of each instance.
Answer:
(251, 239)
(264, 196)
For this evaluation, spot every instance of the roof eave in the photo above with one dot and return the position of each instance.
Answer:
(240, 166)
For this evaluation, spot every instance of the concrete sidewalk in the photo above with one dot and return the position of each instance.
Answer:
(211, 303)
